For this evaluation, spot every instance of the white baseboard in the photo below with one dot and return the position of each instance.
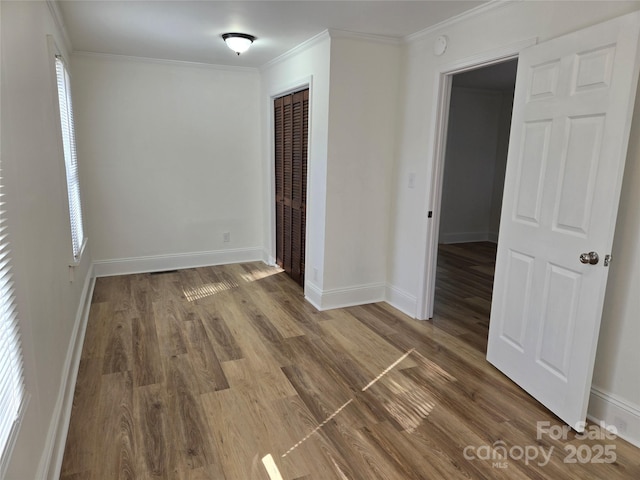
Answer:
(612, 410)
(467, 237)
(403, 301)
(313, 294)
(344, 297)
(268, 259)
(156, 263)
(51, 461)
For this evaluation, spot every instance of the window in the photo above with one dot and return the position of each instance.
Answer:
(70, 157)
(12, 393)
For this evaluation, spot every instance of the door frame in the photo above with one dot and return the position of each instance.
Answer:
(295, 86)
(438, 139)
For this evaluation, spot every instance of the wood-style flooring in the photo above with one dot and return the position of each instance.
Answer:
(227, 373)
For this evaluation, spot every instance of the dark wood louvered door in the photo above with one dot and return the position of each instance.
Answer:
(291, 118)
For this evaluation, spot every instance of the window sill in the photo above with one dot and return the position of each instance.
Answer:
(77, 260)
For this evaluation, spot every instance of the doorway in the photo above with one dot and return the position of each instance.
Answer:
(475, 158)
(291, 126)
(567, 150)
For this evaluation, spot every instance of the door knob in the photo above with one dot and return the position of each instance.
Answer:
(590, 258)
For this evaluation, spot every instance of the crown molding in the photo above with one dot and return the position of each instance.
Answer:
(54, 9)
(296, 50)
(474, 12)
(367, 37)
(331, 33)
(162, 61)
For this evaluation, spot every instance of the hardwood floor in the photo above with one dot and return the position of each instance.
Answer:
(226, 372)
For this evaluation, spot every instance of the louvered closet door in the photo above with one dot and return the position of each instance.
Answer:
(291, 136)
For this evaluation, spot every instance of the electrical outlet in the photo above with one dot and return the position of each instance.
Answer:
(226, 237)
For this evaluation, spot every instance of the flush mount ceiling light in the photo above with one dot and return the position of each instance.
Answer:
(238, 42)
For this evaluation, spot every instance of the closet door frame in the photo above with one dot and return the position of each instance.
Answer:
(290, 136)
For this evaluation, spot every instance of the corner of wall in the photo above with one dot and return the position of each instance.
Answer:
(403, 301)
(344, 297)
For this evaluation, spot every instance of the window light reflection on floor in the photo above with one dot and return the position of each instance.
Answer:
(409, 406)
(208, 290)
(211, 289)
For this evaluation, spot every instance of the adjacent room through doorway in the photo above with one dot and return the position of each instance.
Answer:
(474, 167)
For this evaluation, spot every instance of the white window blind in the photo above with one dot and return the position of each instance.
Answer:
(12, 391)
(70, 157)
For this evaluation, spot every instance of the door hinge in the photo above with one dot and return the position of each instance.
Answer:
(430, 214)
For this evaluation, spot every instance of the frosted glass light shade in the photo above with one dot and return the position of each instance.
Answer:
(238, 42)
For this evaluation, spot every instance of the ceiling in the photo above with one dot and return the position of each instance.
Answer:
(190, 30)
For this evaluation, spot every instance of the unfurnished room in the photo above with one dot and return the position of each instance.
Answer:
(317, 240)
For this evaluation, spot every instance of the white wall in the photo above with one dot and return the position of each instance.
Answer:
(38, 223)
(618, 357)
(171, 156)
(616, 378)
(470, 166)
(306, 65)
(362, 132)
(354, 88)
(164, 175)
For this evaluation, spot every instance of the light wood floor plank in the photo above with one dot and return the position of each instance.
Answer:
(147, 365)
(81, 437)
(156, 457)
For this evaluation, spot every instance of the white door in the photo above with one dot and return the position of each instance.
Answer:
(572, 114)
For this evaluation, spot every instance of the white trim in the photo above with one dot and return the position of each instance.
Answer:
(344, 297)
(78, 260)
(296, 50)
(156, 263)
(292, 87)
(162, 61)
(474, 12)
(313, 294)
(367, 37)
(435, 158)
(54, 9)
(431, 227)
(613, 410)
(51, 461)
(489, 57)
(401, 300)
(267, 258)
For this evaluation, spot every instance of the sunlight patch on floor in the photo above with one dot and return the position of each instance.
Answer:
(211, 289)
(409, 416)
(208, 290)
(433, 371)
(410, 407)
(271, 467)
(260, 274)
